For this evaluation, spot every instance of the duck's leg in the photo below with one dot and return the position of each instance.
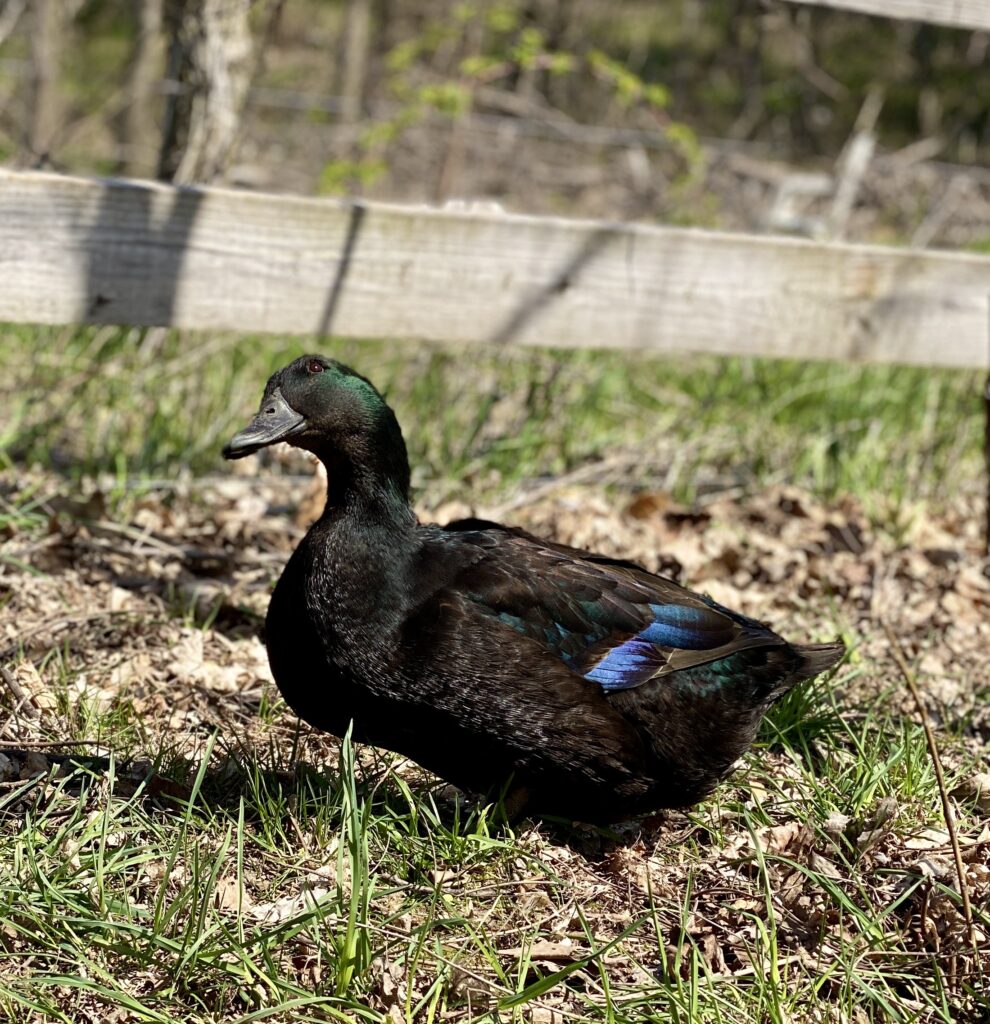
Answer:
(514, 802)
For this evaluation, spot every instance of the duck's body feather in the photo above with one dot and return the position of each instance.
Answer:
(487, 655)
(483, 654)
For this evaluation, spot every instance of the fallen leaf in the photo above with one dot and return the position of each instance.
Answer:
(787, 838)
(835, 825)
(976, 789)
(288, 906)
(928, 839)
(823, 866)
(28, 678)
(229, 895)
(555, 952)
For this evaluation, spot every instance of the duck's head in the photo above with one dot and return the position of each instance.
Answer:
(327, 408)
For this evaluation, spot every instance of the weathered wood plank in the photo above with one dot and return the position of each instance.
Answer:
(974, 14)
(74, 250)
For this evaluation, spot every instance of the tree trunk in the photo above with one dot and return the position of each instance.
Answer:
(46, 105)
(357, 37)
(141, 133)
(10, 14)
(210, 59)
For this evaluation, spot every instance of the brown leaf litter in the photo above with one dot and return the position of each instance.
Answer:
(161, 614)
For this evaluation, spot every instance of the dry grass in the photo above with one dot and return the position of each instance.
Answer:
(205, 858)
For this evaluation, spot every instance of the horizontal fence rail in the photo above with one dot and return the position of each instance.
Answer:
(974, 14)
(76, 250)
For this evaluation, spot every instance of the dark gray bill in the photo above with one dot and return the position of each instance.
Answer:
(276, 420)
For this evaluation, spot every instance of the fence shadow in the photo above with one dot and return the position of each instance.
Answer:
(534, 304)
(354, 221)
(134, 248)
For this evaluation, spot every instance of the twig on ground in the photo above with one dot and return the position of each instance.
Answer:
(58, 622)
(43, 744)
(950, 821)
(592, 471)
(21, 697)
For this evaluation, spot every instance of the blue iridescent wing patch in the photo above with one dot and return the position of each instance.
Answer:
(674, 627)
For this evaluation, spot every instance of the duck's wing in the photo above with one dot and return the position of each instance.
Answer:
(610, 621)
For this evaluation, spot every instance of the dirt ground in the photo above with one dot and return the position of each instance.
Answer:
(157, 604)
(126, 600)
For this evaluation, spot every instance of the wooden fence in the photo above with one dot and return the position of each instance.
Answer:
(75, 250)
(972, 14)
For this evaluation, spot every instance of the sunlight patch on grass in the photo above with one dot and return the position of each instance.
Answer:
(137, 404)
(356, 895)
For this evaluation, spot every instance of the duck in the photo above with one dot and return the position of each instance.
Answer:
(575, 685)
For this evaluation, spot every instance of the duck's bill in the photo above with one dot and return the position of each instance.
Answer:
(276, 421)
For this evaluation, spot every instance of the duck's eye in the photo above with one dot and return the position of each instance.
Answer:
(314, 366)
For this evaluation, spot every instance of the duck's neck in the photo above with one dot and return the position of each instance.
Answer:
(358, 550)
(368, 481)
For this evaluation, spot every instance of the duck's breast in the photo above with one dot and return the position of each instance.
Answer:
(312, 685)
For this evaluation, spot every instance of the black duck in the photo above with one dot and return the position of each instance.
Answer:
(485, 654)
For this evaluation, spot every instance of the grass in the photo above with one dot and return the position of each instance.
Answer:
(260, 894)
(229, 866)
(139, 405)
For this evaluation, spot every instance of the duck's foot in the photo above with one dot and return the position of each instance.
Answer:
(655, 822)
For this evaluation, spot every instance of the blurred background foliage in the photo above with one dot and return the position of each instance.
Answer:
(573, 105)
(736, 114)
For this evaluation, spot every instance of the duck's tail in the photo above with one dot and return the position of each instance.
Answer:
(817, 658)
